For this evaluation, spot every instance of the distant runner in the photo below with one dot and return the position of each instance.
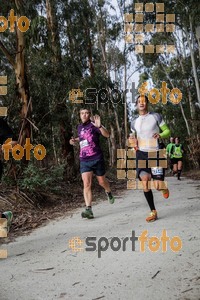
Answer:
(168, 150)
(148, 126)
(177, 157)
(9, 216)
(91, 157)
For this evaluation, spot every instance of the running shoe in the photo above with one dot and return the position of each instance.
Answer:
(165, 193)
(111, 199)
(152, 216)
(9, 216)
(87, 213)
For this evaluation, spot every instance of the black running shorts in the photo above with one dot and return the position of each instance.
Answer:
(157, 173)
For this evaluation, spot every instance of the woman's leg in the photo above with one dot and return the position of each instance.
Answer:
(179, 167)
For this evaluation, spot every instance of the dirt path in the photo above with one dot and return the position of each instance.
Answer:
(41, 266)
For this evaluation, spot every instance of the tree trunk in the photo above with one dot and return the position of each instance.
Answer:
(103, 52)
(113, 146)
(53, 30)
(186, 83)
(65, 129)
(22, 87)
(125, 103)
(23, 94)
(182, 110)
(119, 131)
(185, 119)
(193, 61)
(68, 152)
(89, 50)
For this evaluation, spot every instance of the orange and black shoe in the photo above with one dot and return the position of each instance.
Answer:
(165, 193)
(152, 216)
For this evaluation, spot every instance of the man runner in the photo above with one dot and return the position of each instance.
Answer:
(91, 157)
(148, 126)
(168, 150)
(177, 157)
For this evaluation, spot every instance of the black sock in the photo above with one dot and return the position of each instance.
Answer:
(88, 207)
(179, 174)
(149, 197)
(109, 194)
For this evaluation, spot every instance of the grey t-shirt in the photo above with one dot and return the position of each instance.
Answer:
(145, 126)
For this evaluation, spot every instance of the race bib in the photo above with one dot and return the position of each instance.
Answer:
(177, 154)
(157, 171)
(83, 143)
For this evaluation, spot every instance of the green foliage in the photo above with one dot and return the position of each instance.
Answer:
(39, 179)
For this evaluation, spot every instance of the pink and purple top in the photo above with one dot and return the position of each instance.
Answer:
(89, 142)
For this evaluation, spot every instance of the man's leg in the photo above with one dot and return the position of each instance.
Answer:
(158, 176)
(160, 185)
(99, 170)
(87, 187)
(179, 167)
(148, 192)
(87, 193)
(149, 196)
(105, 184)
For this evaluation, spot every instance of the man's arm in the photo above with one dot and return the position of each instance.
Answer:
(165, 131)
(73, 140)
(104, 131)
(97, 123)
(164, 134)
(161, 123)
